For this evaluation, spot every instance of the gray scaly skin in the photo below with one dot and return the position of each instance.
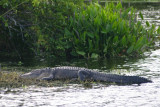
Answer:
(62, 73)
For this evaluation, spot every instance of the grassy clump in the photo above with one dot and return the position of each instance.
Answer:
(12, 80)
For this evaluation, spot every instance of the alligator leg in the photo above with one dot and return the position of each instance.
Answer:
(48, 78)
(83, 75)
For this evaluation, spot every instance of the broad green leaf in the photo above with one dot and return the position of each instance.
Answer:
(130, 49)
(119, 6)
(158, 30)
(104, 31)
(90, 34)
(114, 26)
(97, 5)
(67, 32)
(125, 13)
(97, 21)
(106, 45)
(36, 2)
(153, 27)
(6, 24)
(115, 39)
(81, 53)
(123, 41)
(139, 43)
(83, 36)
(133, 39)
(94, 56)
(97, 41)
(147, 23)
(105, 49)
(90, 45)
(141, 16)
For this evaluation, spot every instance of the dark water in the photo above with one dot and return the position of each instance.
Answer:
(75, 95)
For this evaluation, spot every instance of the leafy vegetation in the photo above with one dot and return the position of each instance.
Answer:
(32, 27)
(70, 28)
(134, 0)
(108, 31)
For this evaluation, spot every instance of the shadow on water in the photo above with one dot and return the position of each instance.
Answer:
(101, 64)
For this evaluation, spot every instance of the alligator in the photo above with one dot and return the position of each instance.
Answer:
(82, 74)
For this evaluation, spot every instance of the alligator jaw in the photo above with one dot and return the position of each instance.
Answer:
(38, 73)
(27, 75)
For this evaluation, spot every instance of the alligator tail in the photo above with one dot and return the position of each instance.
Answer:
(120, 79)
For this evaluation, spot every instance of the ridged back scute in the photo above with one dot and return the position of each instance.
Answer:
(72, 68)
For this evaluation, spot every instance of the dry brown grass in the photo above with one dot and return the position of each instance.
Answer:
(12, 80)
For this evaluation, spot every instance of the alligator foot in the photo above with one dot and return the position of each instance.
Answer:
(83, 75)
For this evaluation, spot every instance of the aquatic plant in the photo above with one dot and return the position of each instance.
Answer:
(97, 31)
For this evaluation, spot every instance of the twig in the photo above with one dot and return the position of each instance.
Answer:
(12, 9)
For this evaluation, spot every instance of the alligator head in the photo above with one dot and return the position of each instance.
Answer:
(38, 73)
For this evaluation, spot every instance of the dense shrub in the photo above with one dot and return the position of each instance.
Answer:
(15, 22)
(111, 30)
(34, 27)
(69, 28)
